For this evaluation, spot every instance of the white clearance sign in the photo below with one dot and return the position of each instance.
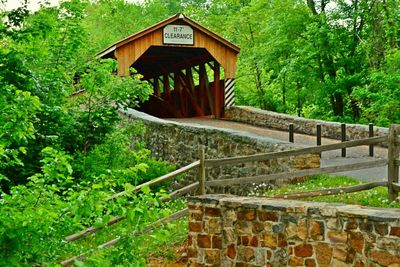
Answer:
(178, 34)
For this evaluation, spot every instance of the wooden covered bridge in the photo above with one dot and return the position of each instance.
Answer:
(191, 68)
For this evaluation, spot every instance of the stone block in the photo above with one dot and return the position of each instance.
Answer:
(381, 228)
(195, 227)
(246, 254)
(268, 216)
(303, 250)
(351, 225)
(204, 241)
(282, 240)
(192, 252)
(229, 217)
(296, 261)
(278, 228)
(356, 241)
(247, 215)
(310, 263)
(243, 228)
(359, 264)
(213, 226)
(317, 230)
(231, 251)
(260, 256)
(333, 224)
(338, 263)
(299, 230)
(339, 253)
(384, 258)
(388, 243)
(323, 254)
(195, 216)
(216, 241)
(366, 226)
(395, 231)
(257, 227)
(212, 212)
(194, 207)
(213, 257)
(269, 240)
(337, 237)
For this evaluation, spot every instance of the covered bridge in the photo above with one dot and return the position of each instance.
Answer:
(191, 68)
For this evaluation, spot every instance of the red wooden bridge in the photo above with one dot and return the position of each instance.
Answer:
(191, 68)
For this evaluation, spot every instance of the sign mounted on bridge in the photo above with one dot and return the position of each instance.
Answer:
(178, 34)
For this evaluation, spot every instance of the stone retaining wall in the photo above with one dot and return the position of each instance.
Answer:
(237, 231)
(269, 119)
(179, 144)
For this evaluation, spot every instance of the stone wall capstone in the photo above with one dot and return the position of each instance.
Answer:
(179, 143)
(269, 119)
(242, 231)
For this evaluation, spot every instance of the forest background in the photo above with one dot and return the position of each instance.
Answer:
(61, 154)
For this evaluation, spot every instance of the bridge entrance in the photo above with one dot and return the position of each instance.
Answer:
(191, 68)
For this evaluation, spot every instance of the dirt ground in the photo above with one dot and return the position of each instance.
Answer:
(180, 258)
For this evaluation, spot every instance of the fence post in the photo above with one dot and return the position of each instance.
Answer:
(343, 133)
(291, 133)
(202, 172)
(393, 154)
(371, 134)
(319, 134)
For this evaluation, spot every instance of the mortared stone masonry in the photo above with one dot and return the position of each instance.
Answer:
(225, 230)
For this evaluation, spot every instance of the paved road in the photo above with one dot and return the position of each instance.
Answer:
(329, 158)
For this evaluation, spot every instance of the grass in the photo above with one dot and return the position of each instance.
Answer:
(376, 197)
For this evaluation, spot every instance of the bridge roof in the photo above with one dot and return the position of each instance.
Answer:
(163, 23)
(151, 56)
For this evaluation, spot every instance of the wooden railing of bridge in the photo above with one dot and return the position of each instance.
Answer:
(392, 162)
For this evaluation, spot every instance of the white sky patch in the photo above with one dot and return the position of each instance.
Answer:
(34, 5)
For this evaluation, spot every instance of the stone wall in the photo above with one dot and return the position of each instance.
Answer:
(281, 121)
(237, 231)
(179, 144)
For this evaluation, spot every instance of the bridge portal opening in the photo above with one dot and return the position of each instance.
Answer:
(191, 69)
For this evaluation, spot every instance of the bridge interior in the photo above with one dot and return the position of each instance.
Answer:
(180, 77)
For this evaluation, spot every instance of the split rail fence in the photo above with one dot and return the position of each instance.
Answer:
(392, 162)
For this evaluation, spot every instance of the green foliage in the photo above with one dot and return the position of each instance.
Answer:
(123, 157)
(62, 155)
(319, 59)
(36, 217)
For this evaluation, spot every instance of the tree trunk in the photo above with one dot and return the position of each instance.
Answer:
(299, 102)
(284, 92)
(337, 103)
(259, 85)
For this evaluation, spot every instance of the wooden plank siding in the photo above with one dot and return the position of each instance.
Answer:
(132, 51)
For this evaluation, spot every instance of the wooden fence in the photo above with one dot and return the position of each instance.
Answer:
(392, 163)
(343, 136)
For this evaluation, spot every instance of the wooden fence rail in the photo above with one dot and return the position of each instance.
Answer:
(159, 180)
(295, 152)
(302, 173)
